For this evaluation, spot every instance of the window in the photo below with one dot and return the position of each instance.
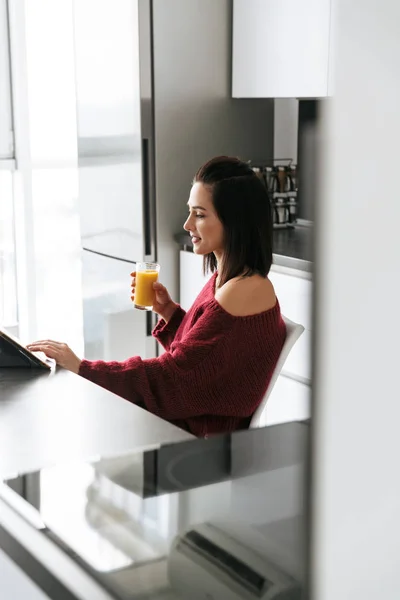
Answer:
(43, 185)
(8, 288)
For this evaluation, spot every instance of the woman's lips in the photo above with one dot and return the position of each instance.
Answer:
(195, 239)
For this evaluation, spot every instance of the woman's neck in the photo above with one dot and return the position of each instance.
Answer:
(219, 258)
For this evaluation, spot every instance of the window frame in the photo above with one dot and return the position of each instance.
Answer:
(6, 111)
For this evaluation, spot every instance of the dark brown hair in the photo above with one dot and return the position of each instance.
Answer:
(242, 205)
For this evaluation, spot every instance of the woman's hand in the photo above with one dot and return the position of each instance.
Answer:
(163, 305)
(61, 353)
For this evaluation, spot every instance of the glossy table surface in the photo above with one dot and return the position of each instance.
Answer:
(53, 417)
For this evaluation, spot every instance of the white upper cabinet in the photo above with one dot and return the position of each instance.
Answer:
(281, 48)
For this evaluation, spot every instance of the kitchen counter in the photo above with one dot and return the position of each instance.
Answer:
(294, 247)
(57, 416)
(291, 247)
(227, 521)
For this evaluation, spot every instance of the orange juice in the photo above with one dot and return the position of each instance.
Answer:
(144, 293)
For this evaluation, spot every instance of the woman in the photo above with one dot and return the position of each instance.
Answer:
(221, 354)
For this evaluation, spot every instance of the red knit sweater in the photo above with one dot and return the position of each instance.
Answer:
(214, 372)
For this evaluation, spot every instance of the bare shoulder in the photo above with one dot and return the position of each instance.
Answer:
(247, 296)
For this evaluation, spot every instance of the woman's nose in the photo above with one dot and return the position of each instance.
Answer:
(186, 225)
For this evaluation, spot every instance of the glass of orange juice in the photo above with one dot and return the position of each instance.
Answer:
(146, 275)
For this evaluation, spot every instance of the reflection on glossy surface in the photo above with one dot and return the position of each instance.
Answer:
(217, 559)
(238, 538)
(82, 525)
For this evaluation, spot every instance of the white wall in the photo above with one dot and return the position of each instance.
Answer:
(356, 550)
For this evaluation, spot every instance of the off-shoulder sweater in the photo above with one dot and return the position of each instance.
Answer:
(214, 372)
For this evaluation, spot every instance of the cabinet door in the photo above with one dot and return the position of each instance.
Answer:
(280, 48)
(290, 400)
(294, 294)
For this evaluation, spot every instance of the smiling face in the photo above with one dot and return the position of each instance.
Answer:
(203, 224)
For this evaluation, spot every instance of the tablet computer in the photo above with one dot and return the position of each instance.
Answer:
(14, 354)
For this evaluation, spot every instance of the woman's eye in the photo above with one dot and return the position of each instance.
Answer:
(199, 216)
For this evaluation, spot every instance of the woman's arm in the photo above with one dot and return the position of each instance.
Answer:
(165, 331)
(180, 384)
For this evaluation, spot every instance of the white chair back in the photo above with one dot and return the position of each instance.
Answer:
(293, 332)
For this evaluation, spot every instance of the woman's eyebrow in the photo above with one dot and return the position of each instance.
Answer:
(197, 207)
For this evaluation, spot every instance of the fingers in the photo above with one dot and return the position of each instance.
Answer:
(161, 291)
(51, 342)
(50, 348)
(47, 349)
(58, 351)
(133, 285)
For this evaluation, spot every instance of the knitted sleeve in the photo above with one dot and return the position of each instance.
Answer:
(183, 382)
(165, 332)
